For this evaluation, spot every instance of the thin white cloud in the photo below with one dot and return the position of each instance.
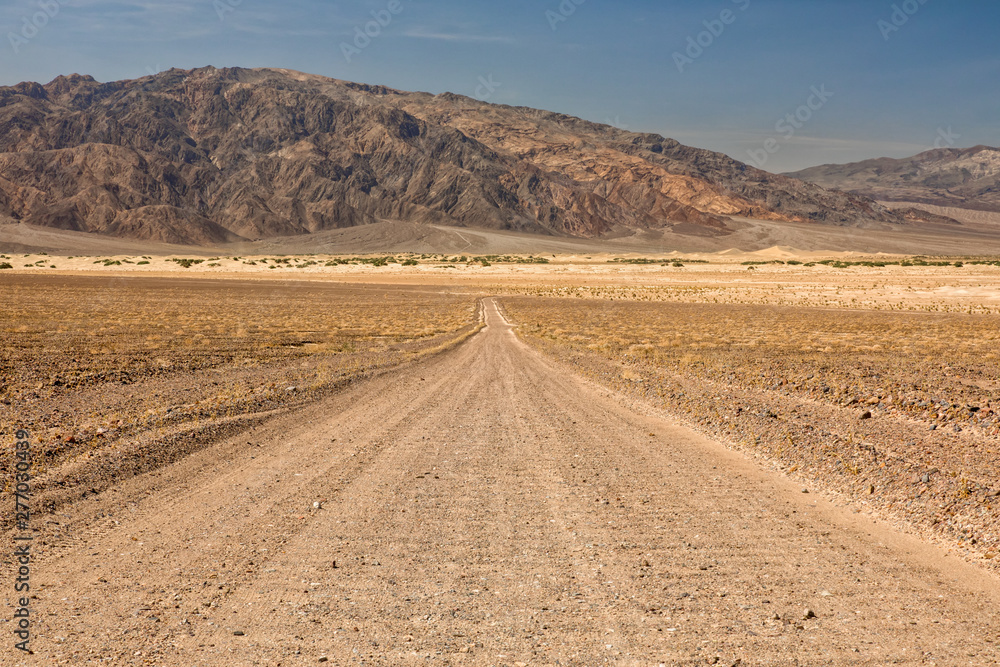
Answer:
(272, 31)
(418, 33)
(159, 6)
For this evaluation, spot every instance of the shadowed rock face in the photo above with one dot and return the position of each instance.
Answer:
(213, 155)
(967, 178)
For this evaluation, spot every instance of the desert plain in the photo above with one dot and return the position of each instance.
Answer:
(780, 457)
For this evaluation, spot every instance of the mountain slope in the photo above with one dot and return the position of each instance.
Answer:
(966, 178)
(213, 155)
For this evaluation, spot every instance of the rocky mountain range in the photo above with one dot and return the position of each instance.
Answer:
(214, 155)
(965, 178)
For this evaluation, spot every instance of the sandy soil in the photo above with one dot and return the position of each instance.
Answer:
(485, 507)
(20, 238)
(977, 235)
(967, 216)
(705, 277)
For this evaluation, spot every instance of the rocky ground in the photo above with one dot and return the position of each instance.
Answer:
(115, 376)
(236, 467)
(894, 412)
(486, 507)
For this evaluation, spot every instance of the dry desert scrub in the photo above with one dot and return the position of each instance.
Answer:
(114, 376)
(896, 410)
(969, 290)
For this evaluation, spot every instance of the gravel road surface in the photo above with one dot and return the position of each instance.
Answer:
(486, 507)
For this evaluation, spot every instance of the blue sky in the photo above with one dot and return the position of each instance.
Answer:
(783, 83)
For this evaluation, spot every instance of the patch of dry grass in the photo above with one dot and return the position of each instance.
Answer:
(894, 409)
(88, 362)
(900, 293)
(71, 332)
(908, 357)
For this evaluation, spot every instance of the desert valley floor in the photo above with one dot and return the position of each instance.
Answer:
(773, 458)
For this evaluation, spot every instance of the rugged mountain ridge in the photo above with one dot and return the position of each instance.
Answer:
(212, 155)
(962, 177)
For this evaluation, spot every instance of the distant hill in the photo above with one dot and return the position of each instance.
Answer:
(964, 178)
(215, 155)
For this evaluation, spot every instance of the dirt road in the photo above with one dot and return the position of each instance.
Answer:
(487, 508)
